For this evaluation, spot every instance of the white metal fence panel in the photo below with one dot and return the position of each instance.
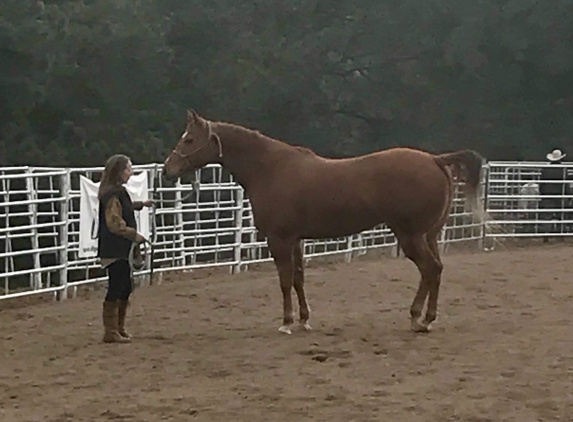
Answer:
(517, 207)
(213, 225)
(199, 227)
(31, 229)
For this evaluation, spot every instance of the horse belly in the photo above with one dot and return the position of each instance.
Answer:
(340, 227)
(341, 215)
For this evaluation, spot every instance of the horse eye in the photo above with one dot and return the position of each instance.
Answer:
(186, 138)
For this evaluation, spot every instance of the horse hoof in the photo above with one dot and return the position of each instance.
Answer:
(305, 326)
(285, 330)
(420, 328)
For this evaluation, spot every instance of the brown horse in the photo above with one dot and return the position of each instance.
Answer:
(296, 194)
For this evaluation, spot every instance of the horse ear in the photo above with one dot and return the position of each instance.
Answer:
(192, 116)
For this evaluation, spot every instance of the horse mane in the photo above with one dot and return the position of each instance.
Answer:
(304, 149)
(235, 129)
(242, 132)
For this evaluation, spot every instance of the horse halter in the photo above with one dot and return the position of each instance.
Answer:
(186, 156)
(196, 184)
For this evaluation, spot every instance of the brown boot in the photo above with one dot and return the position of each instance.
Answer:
(123, 305)
(110, 323)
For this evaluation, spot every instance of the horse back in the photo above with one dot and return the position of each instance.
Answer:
(352, 193)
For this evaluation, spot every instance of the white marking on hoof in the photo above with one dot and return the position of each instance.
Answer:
(420, 328)
(285, 329)
(305, 326)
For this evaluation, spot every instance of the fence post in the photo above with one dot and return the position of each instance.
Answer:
(395, 251)
(349, 251)
(482, 242)
(151, 188)
(443, 240)
(238, 231)
(64, 217)
(9, 262)
(179, 221)
(360, 248)
(32, 195)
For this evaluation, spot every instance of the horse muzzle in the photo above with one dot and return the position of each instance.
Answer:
(170, 177)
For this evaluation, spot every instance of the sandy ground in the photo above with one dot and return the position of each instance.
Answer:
(208, 349)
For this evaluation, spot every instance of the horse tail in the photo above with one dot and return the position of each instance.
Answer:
(467, 167)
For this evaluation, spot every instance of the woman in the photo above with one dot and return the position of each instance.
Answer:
(117, 231)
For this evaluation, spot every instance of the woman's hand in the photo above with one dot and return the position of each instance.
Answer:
(148, 203)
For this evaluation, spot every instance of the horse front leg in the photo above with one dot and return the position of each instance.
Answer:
(304, 309)
(282, 252)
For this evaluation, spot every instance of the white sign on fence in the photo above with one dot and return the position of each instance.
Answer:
(89, 211)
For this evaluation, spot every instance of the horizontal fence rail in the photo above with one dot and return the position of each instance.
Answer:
(213, 226)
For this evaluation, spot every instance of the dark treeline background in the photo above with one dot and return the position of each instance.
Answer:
(82, 79)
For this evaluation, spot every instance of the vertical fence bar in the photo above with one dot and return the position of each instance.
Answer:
(7, 241)
(196, 238)
(348, 254)
(443, 240)
(485, 207)
(360, 248)
(238, 230)
(152, 235)
(217, 178)
(179, 225)
(64, 217)
(35, 278)
(48, 283)
(483, 197)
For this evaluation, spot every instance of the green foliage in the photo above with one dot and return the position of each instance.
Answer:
(83, 79)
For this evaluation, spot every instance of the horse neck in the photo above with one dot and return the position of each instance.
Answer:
(248, 155)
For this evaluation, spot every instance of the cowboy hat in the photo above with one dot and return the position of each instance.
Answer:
(555, 155)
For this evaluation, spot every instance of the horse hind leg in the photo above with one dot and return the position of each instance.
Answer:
(434, 288)
(304, 309)
(432, 242)
(417, 249)
(433, 269)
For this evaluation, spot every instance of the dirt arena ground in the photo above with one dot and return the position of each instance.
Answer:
(208, 349)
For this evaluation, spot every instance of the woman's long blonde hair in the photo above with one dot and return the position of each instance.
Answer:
(111, 177)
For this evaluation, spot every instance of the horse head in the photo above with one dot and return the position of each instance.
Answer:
(197, 147)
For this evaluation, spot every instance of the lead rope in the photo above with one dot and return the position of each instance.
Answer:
(137, 264)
